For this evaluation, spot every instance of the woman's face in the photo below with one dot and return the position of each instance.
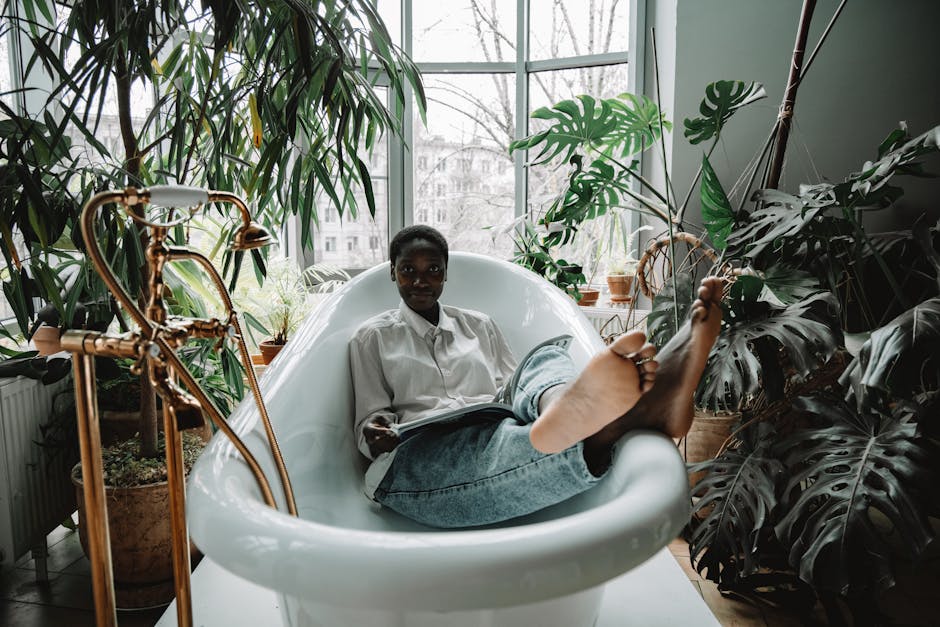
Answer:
(420, 272)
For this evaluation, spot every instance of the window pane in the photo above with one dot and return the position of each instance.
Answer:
(546, 181)
(570, 28)
(548, 88)
(463, 176)
(390, 12)
(464, 30)
(6, 84)
(356, 241)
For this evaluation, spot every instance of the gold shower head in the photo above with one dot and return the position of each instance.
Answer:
(251, 235)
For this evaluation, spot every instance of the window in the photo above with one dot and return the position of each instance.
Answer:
(352, 243)
(474, 76)
(373, 242)
(329, 244)
(455, 171)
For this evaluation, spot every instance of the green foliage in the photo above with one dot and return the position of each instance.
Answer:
(898, 362)
(819, 231)
(722, 99)
(666, 309)
(274, 101)
(859, 475)
(739, 495)
(532, 253)
(278, 105)
(597, 138)
(716, 208)
(845, 477)
(761, 341)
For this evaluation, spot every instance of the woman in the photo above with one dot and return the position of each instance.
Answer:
(426, 358)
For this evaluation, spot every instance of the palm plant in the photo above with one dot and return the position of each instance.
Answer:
(274, 100)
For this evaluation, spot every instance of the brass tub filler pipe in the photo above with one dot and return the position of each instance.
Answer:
(154, 343)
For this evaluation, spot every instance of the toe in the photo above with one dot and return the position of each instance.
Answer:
(629, 343)
(646, 352)
(710, 290)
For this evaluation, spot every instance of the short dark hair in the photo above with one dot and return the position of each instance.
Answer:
(411, 233)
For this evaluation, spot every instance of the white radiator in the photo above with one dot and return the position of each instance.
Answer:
(36, 493)
(612, 321)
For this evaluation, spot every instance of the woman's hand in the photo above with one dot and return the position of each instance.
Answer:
(379, 436)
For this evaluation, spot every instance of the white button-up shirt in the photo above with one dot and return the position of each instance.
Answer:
(405, 368)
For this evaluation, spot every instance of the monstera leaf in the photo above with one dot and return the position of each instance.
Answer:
(716, 209)
(781, 215)
(572, 127)
(666, 309)
(860, 467)
(639, 121)
(721, 100)
(624, 126)
(897, 154)
(892, 362)
(784, 285)
(745, 354)
(739, 494)
(595, 191)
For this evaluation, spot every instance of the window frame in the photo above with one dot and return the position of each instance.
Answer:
(400, 159)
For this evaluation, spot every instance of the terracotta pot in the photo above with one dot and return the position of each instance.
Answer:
(709, 431)
(589, 296)
(269, 350)
(620, 285)
(47, 340)
(141, 542)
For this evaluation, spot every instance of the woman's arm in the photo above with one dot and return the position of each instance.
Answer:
(373, 400)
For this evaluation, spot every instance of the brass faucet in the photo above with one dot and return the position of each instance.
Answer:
(154, 343)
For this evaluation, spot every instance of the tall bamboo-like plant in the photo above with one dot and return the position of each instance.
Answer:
(274, 100)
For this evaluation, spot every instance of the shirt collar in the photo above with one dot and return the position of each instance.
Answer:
(421, 326)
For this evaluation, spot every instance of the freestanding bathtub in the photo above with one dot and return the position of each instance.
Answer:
(346, 562)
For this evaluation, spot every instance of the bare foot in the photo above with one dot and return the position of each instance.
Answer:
(668, 406)
(606, 389)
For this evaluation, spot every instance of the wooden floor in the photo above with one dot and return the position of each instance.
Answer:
(67, 598)
(913, 602)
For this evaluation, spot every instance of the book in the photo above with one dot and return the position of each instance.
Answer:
(499, 408)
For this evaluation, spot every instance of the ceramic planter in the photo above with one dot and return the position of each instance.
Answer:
(269, 351)
(620, 286)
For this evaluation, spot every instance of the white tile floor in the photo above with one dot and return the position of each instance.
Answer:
(655, 594)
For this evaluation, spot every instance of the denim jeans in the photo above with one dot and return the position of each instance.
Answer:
(482, 471)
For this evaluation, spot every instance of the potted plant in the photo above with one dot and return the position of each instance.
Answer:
(774, 514)
(598, 140)
(277, 305)
(621, 265)
(211, 125)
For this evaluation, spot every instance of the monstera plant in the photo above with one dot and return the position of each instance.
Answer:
(819, 493)
(600, 140)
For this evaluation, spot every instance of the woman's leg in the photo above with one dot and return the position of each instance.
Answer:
(477, 474)
(481, 472)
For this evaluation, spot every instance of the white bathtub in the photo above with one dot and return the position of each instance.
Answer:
(347, 562)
